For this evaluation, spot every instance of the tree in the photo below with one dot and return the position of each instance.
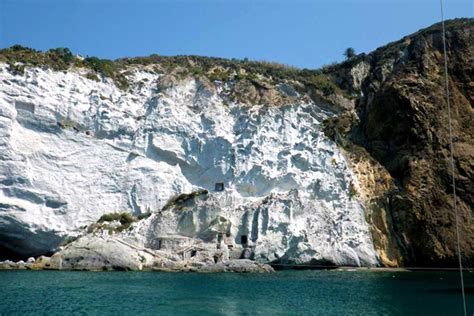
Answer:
(62, 53)
(17, 48)
(349, 52)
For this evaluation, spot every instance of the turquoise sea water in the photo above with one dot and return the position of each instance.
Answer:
(281, 293)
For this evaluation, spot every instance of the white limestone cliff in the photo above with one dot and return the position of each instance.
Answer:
(73, 149)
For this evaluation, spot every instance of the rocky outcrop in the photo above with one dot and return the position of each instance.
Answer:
(105, 253)
(76, 148)
(401, 120)
(237, 160)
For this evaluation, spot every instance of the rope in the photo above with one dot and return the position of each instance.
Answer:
(452, 160)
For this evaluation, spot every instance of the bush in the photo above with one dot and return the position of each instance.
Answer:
(16, 69)
(321, 82)
(352, 190)
(127, 218)
(143, 216)
(180, 199)
(17, 48)
(124, 218)
(92, 76)
(61, 53)
(219, 75)
(349, 52)
(107, 68)
(109, 217)
(102, 66)
(68, 124)
(57, 58)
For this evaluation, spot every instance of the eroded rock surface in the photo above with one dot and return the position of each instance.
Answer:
(401, 120)
(75, 148)
(276, 166)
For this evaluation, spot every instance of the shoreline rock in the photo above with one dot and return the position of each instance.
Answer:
(94, 253)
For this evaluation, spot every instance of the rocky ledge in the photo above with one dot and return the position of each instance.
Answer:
(97, 253)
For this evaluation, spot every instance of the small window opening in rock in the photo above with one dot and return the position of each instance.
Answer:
(158, 245)
(219, 237)
(219, 187)
(244, 240)
(193, 252)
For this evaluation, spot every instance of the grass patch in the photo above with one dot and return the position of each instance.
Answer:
(106, 222)
(180, 199)
(125, 219)
(92, 76)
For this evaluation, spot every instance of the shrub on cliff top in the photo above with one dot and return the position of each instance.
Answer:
(107, 68)
(214, 68)
(62, 59)
(349, 52)
(61, 53)
(58, 58)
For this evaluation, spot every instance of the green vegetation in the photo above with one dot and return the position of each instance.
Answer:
(61, 59)
(321, 82)
(92, 76)
(352, 190)
(123, 218)
(219, 74)
(214, 68)
(106, 222)
(232, 69)
(126, 220)
(57, 58)
(180, 199)
(338, 129)
(68, 124)
(61, 54)
(143, 216)
(107, 68)
(349, 53)
(16, 69)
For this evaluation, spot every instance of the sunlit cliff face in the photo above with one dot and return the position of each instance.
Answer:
(73, 149)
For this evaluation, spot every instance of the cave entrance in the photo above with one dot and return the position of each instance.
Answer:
(244, 240)
(219, 187)
(219, 237)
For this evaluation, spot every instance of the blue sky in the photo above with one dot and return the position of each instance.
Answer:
(300, 33)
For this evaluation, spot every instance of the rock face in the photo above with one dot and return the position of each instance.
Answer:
(74, 149)
(402, 122)
(273, 166)
(105, 253)
(281, 228)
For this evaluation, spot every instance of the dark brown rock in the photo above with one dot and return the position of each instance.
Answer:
(403, 124)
